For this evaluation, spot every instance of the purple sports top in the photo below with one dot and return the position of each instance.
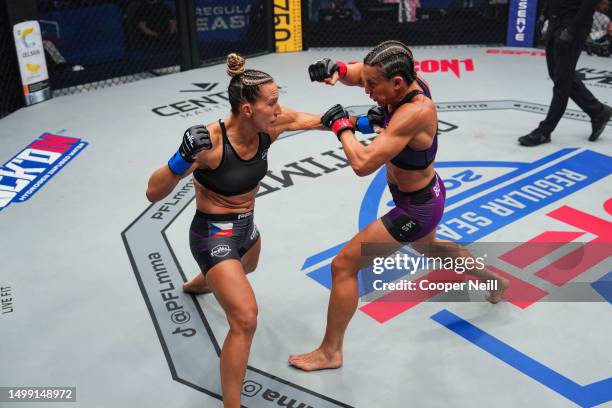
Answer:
(409, 159)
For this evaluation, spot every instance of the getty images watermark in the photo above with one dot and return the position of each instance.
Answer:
(537, 271)
(409, 264)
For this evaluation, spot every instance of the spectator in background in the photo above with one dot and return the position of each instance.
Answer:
(338, 10)
(497, 7)
(598, 41)
(53, 5)
(407, 9)
(156, 24)
(569, 25)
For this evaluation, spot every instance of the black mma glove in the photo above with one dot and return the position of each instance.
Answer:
(325, 68)
(337, 119)
(372, 121)
(195, 139)
(376, 116)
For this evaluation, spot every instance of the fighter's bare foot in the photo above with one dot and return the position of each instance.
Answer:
(495, 296)
(316, 360)
(196, 286)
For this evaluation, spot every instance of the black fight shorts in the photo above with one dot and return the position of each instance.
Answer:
(213, 238)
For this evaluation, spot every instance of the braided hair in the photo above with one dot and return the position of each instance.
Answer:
(394, 58)
(245, 83)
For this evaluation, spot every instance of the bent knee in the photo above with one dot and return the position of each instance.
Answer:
(244, 320)
(342, 266)
(339, 263)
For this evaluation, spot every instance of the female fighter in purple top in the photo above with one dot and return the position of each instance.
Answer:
(406, 144)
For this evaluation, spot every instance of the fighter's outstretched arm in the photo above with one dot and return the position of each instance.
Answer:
(290, 120)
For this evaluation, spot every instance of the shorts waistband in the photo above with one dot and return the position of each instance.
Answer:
(417, 197)
(224, 217)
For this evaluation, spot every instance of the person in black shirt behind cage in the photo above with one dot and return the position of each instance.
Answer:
(155, 25)
(569, 25)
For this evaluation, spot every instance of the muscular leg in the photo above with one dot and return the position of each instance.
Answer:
(344, 297)
(344, 294)
(230, 286)
(434, 247)
(249, 260)
(197, 285)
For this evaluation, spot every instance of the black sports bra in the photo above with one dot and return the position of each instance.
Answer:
(234, 175)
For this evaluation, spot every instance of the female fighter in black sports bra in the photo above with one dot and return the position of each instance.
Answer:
(228, 158)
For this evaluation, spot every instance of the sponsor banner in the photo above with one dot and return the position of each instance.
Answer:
(492, 211)
(32, 63)
(455, 66)
(220, 20)
(198, 99)
(521, 23)
(23, 175)
(288, 25)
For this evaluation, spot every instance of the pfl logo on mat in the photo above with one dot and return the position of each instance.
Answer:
(31, 168)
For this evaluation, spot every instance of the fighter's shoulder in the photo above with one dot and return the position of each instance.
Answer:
(214, 130)
(414, 115)
(204, 157)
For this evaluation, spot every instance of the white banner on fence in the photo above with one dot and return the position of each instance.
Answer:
(32, 64)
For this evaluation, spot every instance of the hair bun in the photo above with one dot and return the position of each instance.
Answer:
(235, 65)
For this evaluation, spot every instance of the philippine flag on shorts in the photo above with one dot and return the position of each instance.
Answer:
(219, 229)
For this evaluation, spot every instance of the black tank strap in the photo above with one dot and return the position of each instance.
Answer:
(423, 85)
(265, 139)
(409, 96)
(223, 132)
